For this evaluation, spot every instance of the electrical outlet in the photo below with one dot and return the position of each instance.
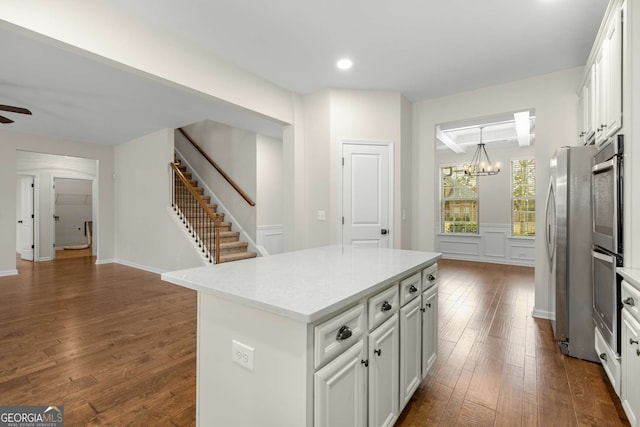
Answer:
(242, 354)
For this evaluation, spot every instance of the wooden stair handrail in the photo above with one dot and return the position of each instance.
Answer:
(215, 217)
(218, 168)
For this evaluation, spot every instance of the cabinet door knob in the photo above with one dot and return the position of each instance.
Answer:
(423, 310)
(432, 277)
(603, 356)
(428, 305)
(413, 289)
(385, 306)
(343, 333)
(629, 301)
(378, 352)
(365, 363)
(638, 351)
(632, 341)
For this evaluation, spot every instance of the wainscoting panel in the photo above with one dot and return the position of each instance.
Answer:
(270, 237)
(493, 244)
(460, 247)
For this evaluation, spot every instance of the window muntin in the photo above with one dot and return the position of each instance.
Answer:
(458, 201)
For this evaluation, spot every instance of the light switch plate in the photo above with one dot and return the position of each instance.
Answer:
(242, 354)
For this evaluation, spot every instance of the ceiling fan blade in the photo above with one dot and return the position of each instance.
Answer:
(12, 109)
(3, 119)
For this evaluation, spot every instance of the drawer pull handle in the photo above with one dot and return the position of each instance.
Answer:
(629, 301)
(413, 289)
(378, 352)
(632, 341)
(432, 277)
(603, 356)
(343, 333)
(385, 306)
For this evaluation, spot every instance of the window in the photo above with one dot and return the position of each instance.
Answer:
(458, 201)
(523, 197)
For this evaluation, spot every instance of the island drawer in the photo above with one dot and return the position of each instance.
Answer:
(410, 288)
(337, 334)
(382, 306)
(429, 276)
(631, 299)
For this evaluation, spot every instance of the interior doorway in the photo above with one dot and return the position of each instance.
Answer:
(367, 193)
(73, 217)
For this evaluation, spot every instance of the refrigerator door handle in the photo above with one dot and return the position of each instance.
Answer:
(550, 204)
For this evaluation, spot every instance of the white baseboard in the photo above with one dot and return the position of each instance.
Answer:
(105, 261)
(9, 273)
(140, 267)
(542, 314)
(503, 261)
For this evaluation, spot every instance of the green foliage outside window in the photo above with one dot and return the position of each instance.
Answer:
(458, 201)
(523, 201)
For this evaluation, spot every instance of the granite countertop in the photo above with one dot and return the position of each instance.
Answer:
(631, 275)
(304, 285)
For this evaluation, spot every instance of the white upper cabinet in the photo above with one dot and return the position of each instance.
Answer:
(600, 98)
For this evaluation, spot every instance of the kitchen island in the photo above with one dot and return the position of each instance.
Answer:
(285, 340)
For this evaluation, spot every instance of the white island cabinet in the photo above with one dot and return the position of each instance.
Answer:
(291, 339)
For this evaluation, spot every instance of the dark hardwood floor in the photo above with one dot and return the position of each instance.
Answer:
(116, 346)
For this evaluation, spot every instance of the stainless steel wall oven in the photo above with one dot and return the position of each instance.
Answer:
(607, 252)
(606, 190)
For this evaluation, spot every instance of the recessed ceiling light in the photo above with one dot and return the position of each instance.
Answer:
(344, 64)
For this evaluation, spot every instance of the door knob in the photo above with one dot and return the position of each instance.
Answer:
(384, 231)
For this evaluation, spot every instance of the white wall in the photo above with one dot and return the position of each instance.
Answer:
(12, 141)
(234, 150)
(269, 202)
(269, 180)
(147, 235)
(318, 169)
(555, 101)
(364, 115)
(406, 205)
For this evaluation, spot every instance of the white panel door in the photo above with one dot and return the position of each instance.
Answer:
(340, 398)
(366, 195)
(25, 217)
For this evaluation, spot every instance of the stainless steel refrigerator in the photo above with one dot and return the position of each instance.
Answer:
(568, 239)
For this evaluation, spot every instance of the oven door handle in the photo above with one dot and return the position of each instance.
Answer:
(604, 165)
(603, 257)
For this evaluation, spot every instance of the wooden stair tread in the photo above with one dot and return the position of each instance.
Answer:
(236, 256)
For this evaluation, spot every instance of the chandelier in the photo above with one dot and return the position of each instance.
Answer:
(480, 163)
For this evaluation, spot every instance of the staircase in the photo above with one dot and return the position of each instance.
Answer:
(231, 248)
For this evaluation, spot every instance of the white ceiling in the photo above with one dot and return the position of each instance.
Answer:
(421, 48)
